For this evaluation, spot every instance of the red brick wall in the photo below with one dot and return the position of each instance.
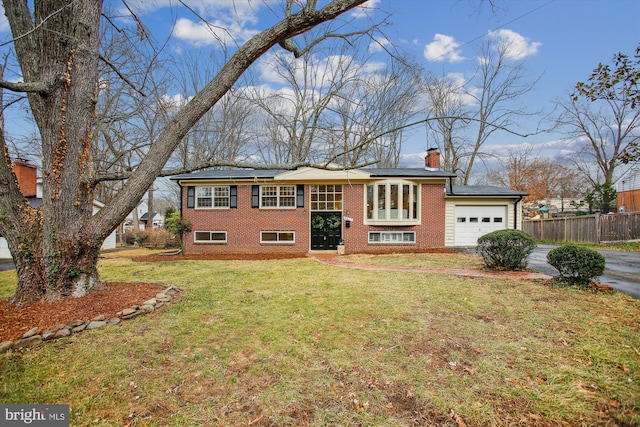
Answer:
(430, 234)
(244, 223)
(26, 174)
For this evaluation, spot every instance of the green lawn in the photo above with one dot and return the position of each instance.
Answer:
(298, 342)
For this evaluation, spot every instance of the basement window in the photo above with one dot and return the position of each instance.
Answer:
(277, 237)
(210, 237)
(392, 237)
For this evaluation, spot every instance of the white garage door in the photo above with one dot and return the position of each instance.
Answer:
(472, 222)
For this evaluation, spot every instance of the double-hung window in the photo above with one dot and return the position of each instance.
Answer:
(278, 196)
(393, 202)
(215, 197)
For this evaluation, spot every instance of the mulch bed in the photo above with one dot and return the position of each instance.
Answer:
(15, 320)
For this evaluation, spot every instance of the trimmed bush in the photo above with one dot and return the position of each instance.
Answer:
(506, 249)
(577, 265)
(152, 238)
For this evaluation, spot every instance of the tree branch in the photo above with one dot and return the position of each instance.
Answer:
(289, 45)
(120, 176)
(43, 88)
(122, 76)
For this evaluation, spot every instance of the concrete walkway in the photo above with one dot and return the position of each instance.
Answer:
(334, 259)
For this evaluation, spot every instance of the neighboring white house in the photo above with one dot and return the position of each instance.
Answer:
(140, 214)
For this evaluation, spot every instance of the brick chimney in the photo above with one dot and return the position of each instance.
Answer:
(26, 174)
(432, 160)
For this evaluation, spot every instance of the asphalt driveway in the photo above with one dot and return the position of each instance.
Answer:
(6, 264)
(622, 269)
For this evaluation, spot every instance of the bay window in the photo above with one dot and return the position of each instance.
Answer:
(392, 202)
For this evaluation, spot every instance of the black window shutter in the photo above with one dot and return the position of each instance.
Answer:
(191, 197)
(255, 196)
(300, 195)
(233, 196)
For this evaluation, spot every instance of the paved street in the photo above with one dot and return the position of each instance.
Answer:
(6, 264)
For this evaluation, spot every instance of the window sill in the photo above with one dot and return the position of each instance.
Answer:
(392, 222)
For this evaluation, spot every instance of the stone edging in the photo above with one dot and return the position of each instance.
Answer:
(34, 338)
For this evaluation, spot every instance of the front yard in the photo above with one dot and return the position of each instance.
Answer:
(297, 342)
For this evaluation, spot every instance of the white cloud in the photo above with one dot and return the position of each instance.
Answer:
(518, 46)
(443, 48)
(173, 102)
(320, 72)
(212, 22)
(201, 33)
(378, 45)
(4, 24)
(366, 9)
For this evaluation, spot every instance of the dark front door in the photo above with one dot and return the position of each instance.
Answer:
(326, 230)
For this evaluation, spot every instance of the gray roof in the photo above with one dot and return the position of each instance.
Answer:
(482, 190)
(458, 190)
(409, 172)
(229, 174)
(251, 173)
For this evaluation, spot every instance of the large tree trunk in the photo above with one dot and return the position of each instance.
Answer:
(70, 271)
(55, 247)
(54, 250)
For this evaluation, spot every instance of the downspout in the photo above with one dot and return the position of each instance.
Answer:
(181, 195)
(515, 213)
(451, 185)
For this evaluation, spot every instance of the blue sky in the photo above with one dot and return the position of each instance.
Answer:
(562, 40)
(566, 39)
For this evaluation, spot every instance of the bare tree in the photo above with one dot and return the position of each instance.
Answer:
(331, 107)
(223, 135)
(296, 116)
(379, 102)
(499, 82)
(604, 112)
(446, 114)
(57, 44)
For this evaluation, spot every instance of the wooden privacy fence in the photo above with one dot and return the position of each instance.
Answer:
(596, 228)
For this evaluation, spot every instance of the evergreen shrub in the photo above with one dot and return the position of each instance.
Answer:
(577, 265)
(505, 249)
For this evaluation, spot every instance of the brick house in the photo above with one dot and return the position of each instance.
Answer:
(358, 211)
